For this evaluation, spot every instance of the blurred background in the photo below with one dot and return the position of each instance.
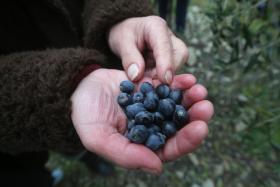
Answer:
(234, 48)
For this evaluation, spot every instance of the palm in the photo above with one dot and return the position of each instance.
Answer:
(96, 102)
(100, 124)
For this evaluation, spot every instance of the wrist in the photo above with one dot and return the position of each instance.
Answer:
(83, 73)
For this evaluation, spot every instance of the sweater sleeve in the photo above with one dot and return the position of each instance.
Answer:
(100, 15)
(35, 91)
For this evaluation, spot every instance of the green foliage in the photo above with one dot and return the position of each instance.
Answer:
(251, 35)
(274, 134)
(235, 50)
(243, 68)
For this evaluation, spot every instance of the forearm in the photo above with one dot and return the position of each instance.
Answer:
(35, 107)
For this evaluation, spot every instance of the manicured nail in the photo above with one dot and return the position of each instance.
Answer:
(168, 77)
(132, 71)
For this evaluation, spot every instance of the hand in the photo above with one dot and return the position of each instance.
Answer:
(101, 123)
(147, 39)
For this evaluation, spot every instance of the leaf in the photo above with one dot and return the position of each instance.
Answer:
(257, 25)
(252, 62)
(247, 36)
(275, 134)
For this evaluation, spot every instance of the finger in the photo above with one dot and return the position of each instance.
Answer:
(132, 59)
(180, 52)
(202, 110)
(117, 148)
(183, 81)
(194, 94)
(158, 39)
(185, 141)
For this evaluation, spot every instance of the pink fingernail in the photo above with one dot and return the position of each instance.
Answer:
(132, 71)
(168, 77)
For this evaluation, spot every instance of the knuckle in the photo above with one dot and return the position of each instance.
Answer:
(157, 20)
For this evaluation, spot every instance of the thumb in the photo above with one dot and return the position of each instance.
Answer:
(110, 144)
(133, 61)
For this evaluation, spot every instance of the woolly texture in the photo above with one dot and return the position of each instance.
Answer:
(100, 15)
(35, 108)
(35, 86)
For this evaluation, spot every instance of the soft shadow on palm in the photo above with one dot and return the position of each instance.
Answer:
(100, 124)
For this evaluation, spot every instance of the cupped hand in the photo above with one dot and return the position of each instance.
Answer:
(101, 123)
(147, 42)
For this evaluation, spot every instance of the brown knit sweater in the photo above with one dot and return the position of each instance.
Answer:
(43, 46)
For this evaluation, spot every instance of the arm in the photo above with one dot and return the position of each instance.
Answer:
(35, 108)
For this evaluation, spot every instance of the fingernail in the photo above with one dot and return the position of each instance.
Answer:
(132, 71)
(168, 77)
(152, 171)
